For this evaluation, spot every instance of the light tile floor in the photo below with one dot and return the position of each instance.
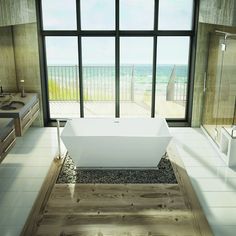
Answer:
(213, 181)
(22, 173)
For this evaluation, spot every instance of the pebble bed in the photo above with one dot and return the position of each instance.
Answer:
(164, 174)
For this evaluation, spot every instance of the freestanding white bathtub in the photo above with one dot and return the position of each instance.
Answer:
(116, 142)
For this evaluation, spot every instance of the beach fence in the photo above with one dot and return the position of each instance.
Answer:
(99, 84)
(175, 91)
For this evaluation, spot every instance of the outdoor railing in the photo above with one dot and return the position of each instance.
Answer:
(99, 84)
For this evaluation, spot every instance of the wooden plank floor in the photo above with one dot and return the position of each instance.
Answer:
(107, 209)
(123, 209)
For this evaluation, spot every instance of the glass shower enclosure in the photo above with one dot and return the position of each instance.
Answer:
(219, 111)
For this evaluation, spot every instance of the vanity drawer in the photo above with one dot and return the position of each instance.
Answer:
(35, 108)
(29, 116)
(7, 142)
(25, 118)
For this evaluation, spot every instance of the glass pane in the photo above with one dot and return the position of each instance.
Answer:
(136, 15)
(213, 82)
(136, 55)
(175, 14)
(59, 15)
(63, 79)
(220, 94)
(172, 76)
(226, 116)
(99, 76)
(98, 14)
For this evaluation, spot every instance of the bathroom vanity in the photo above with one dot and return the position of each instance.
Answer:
(24, 111)
(7, 136)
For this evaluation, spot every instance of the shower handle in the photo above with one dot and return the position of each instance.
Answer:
(204, 82)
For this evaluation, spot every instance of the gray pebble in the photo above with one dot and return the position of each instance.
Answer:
(164, 174)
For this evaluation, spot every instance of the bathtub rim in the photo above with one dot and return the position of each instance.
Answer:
(168, 134)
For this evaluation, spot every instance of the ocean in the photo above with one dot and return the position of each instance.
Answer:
(139, 71)
(99, 80)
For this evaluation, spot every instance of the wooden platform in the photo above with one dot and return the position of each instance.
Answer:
(121, 209)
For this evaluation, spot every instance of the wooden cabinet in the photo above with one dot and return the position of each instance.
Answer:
(7, 136)
(24, 121)
(24, 116)
(15, 122)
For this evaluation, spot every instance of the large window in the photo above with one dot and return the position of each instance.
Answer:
(59, 15)
(98, 56)
(63, 79)
(175, 14)
(117, 58)
(137, 15)
(97, 14)
(172, 76)
(136, 75)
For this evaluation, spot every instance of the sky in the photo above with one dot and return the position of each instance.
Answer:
(100, 15)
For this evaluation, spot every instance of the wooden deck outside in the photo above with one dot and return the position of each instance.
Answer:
(123, 209)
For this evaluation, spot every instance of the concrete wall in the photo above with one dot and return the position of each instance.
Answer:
(201, 64)
(19, 53)
(219, 12)
(200, 69)
(7, 60)
(14, 12)
(26, 50)
(213, 15)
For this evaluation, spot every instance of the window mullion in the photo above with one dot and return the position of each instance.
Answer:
(154, 66)
(117, 61)
(80, 59)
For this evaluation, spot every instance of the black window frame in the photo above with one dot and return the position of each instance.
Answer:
(117, 34)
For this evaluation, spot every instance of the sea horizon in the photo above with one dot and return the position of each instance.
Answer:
(139, 71)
